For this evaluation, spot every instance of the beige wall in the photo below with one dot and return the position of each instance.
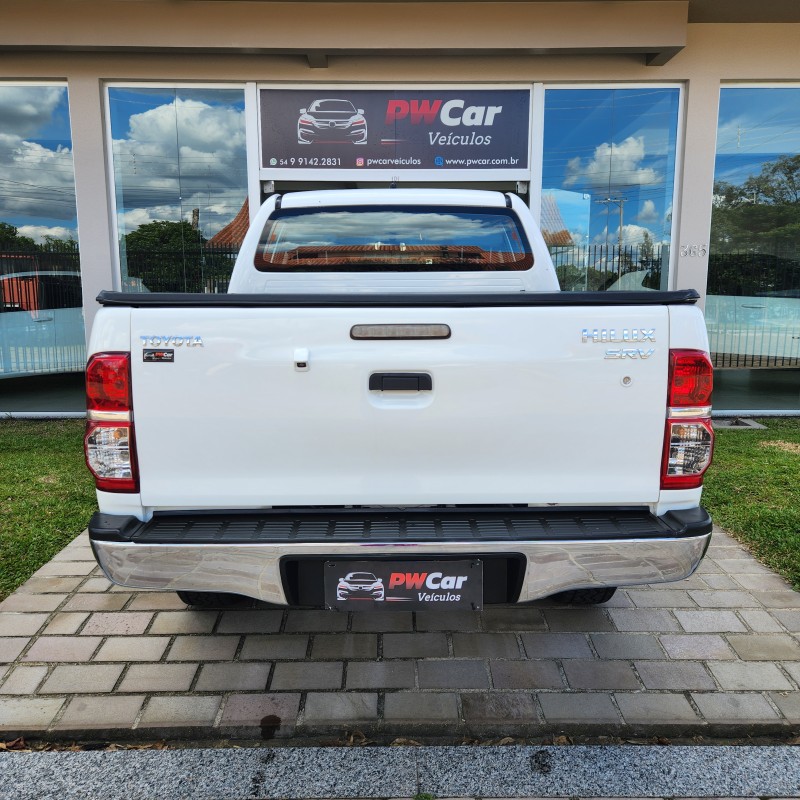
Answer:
(714, 53)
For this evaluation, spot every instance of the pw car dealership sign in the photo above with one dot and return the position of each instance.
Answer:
(419, 133)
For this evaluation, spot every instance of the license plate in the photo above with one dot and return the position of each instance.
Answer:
(403, 585)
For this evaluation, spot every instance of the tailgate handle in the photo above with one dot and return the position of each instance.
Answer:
(400, 382)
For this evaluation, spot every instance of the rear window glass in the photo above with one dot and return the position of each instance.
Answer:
(385, 239)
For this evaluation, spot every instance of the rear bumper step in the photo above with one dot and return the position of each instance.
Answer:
(245, 553)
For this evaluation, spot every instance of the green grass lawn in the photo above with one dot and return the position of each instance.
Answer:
(46, 494)
(753, 491)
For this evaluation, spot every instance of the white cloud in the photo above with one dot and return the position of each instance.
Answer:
(612, 164)
(180, 156)
(34, 180)
(25, 109)
(631, 235)
(38, 232)
(648, 213)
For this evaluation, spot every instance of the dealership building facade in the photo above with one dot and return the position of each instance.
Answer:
(657, 141)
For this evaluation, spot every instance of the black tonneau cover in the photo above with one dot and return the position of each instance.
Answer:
(385, 300)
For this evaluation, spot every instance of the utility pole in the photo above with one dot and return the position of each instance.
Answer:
(619, 202)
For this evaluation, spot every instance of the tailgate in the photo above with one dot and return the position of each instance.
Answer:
(521, 409)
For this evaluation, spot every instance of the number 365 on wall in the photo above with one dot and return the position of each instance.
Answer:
(694, 250)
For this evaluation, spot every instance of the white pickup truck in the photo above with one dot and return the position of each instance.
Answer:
(396, 407)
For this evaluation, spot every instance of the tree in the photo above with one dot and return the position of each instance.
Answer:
(11, 240)
(164, 235)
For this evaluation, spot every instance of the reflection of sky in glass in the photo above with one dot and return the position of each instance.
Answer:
(756, 125)
(37, 187)
(176, 150)
(495, 232)
(611, 148)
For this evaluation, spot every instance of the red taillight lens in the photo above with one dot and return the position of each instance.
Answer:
(109, 442)
(689, 437)
(108, 382)
(691, 378)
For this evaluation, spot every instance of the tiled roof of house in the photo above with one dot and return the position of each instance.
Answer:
(554, 229)
(232, 235)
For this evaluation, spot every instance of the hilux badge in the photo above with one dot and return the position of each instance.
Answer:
(171, 341)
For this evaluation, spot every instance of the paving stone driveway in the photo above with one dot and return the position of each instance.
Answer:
(714, 655)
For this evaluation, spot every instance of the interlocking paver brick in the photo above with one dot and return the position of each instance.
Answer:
(582, 707)
(598, 674)
(65, 623)
(513, 618)
(734, 707)
(511, 708)
(674, 675)
(380, 675)
(110, 601)
(233, 677)
(158, 678)
(642, 709)
(274, 646)
(744, 565)
(345, 645)
(28, 713)
(315, 621)
(96, 585)
(178, 712)
(307, 675)
(265, 715)
(132, 648)
(644, 620)
(16, 624)
(203, 648)
(485, 645)
(756, 676)
(184, 622)
(788, 617)
(526, 675)
(789, 705)
(23, 680)
(343, 707)
(62, 648)
(716, 581)
(764, 582)
(423, 709)
(117, 623)
(32, 602)
(67, 679)
(11, 647)
(556, 645)
(414, 645)
(785, 599)
(250, 621)
(382, 621)
(106, 713)
(448, 620)
(44, 585)
(697, 646)
(156, 601)
(721, 598)
(661, 598)
(578, 619)
(760, 621)
(452, 674)
(627, 645)
(793, 669)
(765, 647)
(709, 621)
(59, 568)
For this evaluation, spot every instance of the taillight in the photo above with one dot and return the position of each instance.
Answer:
(109, 443)
(689, 437)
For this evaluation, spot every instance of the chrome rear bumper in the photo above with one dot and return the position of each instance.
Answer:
(254, 569)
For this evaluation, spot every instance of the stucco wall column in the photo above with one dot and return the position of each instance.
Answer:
(697, 184)
(91, 191)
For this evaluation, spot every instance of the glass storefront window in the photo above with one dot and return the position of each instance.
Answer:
(753, 303)
(41, 315)
(608, 185)
(180, 178)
